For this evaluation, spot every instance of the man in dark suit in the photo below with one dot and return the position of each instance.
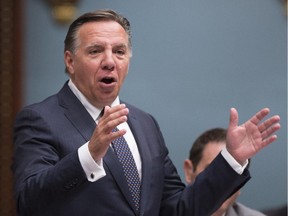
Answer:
(66, 160)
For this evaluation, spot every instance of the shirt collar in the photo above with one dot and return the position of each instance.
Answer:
(92, 110)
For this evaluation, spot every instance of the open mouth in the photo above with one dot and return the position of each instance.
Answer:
(108, 80)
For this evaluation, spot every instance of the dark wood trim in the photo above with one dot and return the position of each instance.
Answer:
(11, 69)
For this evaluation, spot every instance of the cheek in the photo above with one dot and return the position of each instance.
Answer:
(86, 68)
(84, 74)
(124, 68)
(122, 77)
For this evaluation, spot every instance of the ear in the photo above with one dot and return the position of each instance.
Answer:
(188, 171)
(68, 59)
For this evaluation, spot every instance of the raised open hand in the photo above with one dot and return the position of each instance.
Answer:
(103, 135)
(244, 141)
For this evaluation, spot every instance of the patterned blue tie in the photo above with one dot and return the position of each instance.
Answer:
(124, 154)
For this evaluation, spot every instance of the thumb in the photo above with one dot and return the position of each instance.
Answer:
(233, 118)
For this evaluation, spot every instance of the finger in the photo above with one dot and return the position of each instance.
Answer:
(118, 111)
(269, 140)
(268, 123)
(233, 118)
(113, 117)
(117, 133)
(259, 116)
(269, 131)
(109, 111)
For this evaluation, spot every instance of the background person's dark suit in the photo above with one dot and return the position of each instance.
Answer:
(276, 211)
(49, 179)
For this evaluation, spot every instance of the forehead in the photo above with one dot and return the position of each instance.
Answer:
(211, 150)
(103, 30)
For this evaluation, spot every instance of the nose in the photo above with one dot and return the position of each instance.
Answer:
(108, 62)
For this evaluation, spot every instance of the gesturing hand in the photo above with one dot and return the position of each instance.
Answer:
(103, 135)
(244, 141)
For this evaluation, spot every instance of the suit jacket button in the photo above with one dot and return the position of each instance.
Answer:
(75, 181)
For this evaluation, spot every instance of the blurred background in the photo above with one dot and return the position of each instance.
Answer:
(192, 61)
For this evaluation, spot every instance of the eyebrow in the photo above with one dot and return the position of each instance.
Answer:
(103, 45)
(121, 45)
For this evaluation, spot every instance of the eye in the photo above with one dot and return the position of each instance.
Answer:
(120, 52)
(94, 51)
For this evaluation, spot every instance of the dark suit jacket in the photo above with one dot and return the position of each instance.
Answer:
(49, 179)
(276, 211)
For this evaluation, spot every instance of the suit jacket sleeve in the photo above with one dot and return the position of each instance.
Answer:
(208, 192)
(42, 170)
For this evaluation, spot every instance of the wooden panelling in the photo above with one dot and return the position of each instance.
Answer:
(10, 94)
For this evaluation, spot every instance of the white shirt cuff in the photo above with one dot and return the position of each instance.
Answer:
(93, 170)
(232, 162)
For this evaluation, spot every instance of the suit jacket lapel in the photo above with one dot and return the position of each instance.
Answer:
(140, 139)
(116, 170)
(76, 112)
(114, 165)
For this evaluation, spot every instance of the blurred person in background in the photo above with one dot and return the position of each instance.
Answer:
(204, 150)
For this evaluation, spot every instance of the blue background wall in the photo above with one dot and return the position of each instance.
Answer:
(192, 61)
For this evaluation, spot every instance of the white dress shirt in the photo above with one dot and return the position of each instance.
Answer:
(95, 170)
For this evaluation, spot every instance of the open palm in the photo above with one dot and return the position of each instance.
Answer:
(244, 141)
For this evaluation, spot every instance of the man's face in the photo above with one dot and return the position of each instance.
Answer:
(101, 61)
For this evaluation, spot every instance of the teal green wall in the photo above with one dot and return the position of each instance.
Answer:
(192, 61)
